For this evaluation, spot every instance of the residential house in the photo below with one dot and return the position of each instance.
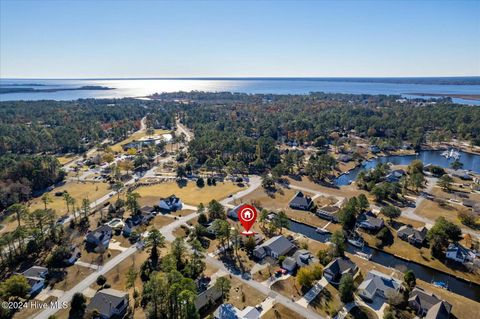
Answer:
(439, 311)
(423, 301)
(100, 236)
(128, 227)
(345, 158)
(378, 284)
(229, 311)
(334, 271)
(73, 256)
(109, 303)
(457, 252)
(330, 214)
(300, 258)
(370, 221)
(36, 278)
(274, 247)
(233, 212)
(415, 236)
(301, 201)
(208, 297)
(395, 175)
(171, 203)
(374, 149)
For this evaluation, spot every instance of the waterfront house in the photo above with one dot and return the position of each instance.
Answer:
(395, 175)
(370, 222)
(374, 149)
(274, 247)
(334, 271)
(171, 203)
(100, 236)
(424, 302)
(328, 213)
(301, 201)
(415, 236)
(459, 253)
(110, 303)
(378, 284)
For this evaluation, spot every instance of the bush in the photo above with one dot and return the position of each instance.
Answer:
(200, 182)
(101, 280)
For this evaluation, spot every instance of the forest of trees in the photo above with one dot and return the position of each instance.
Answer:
(31, 127)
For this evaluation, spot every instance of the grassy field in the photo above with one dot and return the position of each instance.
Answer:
(66, 158)
(78, 190)
(279, 311)
(344, 191)
(433, 209)
(189, 194)
(288, 287)
(242, 295)
(134, 137)
(327, 302)
(276, 201)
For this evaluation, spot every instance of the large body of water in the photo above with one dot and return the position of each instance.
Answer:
(470, 162)
(144, 87)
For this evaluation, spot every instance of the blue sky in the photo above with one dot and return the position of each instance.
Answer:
(78, 39)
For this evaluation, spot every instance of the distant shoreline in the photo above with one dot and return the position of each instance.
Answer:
(440, 80)
(7, 90)
(474, 97)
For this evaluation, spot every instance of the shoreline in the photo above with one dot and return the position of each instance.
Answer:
(471, 97)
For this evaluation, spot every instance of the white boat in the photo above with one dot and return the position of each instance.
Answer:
(321, 230)
(364, 255)
(357, 242)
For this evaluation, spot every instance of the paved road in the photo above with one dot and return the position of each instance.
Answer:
(183, 129)
(410, 212)
(85, 283)
(287, 302)
(253, 184)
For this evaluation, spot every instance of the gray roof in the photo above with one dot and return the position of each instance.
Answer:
(289, 262)
(302, 257)
(107, 299)
(278, 244)
(212, 294)
(371, 219)
(301, 199)
(425, 299)
(340, 266)
(377, 280)
(416, 233)
(439, 311)
(100, 233)
(35, 271)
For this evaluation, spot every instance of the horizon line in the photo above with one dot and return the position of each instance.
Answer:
(241, 77)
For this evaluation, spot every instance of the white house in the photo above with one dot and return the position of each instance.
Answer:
(171, 203)
(459, 253)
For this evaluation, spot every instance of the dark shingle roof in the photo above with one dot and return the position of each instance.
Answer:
(107, 299)
(340, 265)
(301, 199)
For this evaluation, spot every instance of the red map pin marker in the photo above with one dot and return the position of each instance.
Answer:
(247, 215)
